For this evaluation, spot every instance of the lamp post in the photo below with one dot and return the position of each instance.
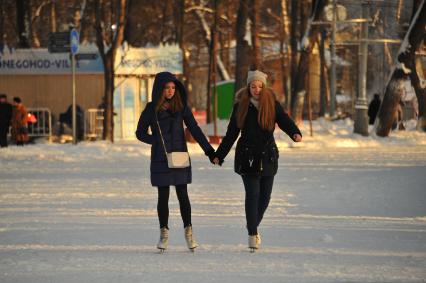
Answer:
(361, 105)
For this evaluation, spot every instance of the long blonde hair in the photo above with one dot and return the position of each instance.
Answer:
(266, 116)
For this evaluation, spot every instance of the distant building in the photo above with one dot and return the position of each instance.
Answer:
(43, 79)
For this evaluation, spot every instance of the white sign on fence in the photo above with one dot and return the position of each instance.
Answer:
(133, 61)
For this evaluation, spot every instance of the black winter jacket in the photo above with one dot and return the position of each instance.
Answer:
(256, 152)
(5, 115)
(173, 133)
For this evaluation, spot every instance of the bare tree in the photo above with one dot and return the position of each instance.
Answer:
(23, 23)
(200, 12)
(256, 59)
(242, 49)
(181, 32)
(284, 50)
(53, 17)
(307, 44)
(109, 37)
(405, 67)
(323, 74)
(2, 29)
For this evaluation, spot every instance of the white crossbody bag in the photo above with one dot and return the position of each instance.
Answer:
(175, 159)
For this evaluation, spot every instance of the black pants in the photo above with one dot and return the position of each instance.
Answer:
(3, 136)
(258, 193)
(163, 205)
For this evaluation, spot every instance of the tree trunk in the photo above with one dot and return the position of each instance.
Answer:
(415, 64)
(108, 133)
(307, 43)
(2, 31)
(207, 35)
(388, 108)
(23, 23)
(214, 44)
(242, 49)
(256, 63)
(295, 7)
(108, 57)
(185, 52)
(284, 52)
(53, 16)
(405, 67)
(323, 86)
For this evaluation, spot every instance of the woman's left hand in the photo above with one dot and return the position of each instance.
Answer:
(297, 138)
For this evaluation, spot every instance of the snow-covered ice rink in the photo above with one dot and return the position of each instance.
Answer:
(353, 211)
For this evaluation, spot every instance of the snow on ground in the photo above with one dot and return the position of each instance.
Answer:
(344, 209)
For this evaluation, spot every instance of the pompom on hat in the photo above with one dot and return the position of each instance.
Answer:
(256, 75)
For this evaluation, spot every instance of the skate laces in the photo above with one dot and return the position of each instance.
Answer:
(164, 234)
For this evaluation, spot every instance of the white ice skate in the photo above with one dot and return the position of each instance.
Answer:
(254, 242)
(190, 241)
(164, 239)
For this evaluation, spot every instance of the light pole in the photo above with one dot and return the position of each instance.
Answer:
(333, 62)
(361, 105)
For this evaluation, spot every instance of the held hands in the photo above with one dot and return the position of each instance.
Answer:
(297, 138)
(216, 161)
(213, 158)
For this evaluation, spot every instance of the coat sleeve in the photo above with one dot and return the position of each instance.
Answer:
(24, 117)
(147, 116)
(230, 137)
(195, 131)
(285, 122)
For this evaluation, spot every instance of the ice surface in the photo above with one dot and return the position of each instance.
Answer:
(344, 208)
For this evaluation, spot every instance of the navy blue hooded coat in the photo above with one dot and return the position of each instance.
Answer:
(173, 133)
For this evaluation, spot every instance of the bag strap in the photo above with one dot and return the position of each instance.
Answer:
(161, 134)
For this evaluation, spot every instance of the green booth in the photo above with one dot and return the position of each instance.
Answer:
(225, 98)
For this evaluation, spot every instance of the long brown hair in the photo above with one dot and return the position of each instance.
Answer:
(176, 103)
(266, 116)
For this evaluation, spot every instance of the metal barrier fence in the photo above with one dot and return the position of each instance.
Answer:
(94, 123)
(43, 126)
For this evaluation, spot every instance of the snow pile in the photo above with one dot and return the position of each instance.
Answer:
(337, 134)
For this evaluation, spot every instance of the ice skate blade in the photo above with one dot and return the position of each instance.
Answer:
(192, 250)
(161, 251)
(252, 250)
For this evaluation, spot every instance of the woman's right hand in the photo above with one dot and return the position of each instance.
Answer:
(216, 161)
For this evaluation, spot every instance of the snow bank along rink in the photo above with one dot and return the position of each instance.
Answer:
(344, 208)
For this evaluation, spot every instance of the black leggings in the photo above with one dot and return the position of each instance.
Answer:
(258, 194)
(163, 205)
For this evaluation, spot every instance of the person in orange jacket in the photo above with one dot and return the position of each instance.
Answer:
(19, 122)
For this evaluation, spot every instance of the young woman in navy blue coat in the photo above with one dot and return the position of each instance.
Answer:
(256, 155)
(169, 108)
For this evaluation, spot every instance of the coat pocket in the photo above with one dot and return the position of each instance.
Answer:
(248, 161)
(273, 153)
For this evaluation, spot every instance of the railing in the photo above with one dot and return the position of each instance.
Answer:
(94, 123)
(43, 126)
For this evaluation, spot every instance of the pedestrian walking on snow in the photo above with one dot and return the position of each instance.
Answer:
(5, 117)
(19, 122)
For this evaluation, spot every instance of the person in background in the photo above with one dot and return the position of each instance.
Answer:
(19, 122)
(373, 108)
(5, 117)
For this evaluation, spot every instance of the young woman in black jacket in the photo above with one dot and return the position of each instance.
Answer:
(256, 155)
(165, 115)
